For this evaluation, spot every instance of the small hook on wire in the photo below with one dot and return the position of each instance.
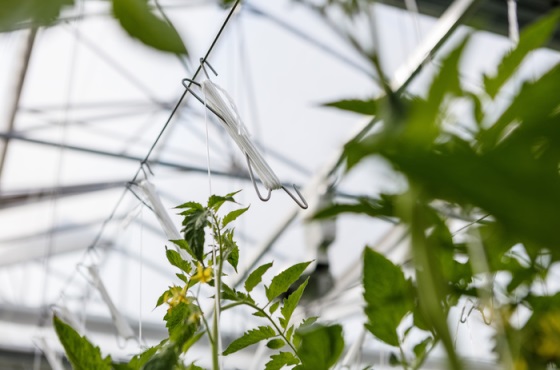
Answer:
(199, 98)
(264, 199)
(301, 202)
(202, 63)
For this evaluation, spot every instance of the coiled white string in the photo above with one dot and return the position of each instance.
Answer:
(164, 220)
(219, 100)
(123, 328)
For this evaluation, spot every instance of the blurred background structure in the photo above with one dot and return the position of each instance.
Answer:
(81, 105)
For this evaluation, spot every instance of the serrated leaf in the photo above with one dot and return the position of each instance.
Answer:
(191, 205)
(259, 314)
(273, 307)
(278, 361)
(290, 332)
(179, 322)
(291, 303)
(175, 259)
(320, 346)
(138, 361)
(216, 201)
(282, 282)
(249, 338)
(233, 215)
(80, 352)
(531, 38)
(372, 207)
(161, 298)
(164, 359)
(184, 245)
(194, 223)
(368, 107)
(276, 343)
(308, 322)
(231, 250)
(255, 277)
(183, 278)
(136, 17)
(387, 295)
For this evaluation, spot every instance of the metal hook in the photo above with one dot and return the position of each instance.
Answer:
(255, 183)
(303, 203)
(129, 186)
(202, 63)
(145, 165)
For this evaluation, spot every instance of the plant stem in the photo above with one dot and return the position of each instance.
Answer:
(218, 284)
(280, 332)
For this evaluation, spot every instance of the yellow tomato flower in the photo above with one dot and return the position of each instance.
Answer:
(176, 295)
(203, 274)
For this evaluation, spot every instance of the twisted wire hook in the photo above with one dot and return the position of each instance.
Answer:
(255, 183)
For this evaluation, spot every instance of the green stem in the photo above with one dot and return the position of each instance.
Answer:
(218, 284)
(280, 332)
(404, 361)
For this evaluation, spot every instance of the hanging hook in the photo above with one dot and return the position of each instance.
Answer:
(255, 183)
(202, 63)
(301, 202)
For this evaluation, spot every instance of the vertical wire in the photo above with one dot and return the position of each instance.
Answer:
(141, 277)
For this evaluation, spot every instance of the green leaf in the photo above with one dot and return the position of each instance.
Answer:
(387, 295)
(367, 107)
(216, 201)
(372, 207)
(423, 122)
(137, 19)
(282, 282)
(80, 352)
(291, 303)
(232, 216)
(164, 359)
(290, 332)
(274, 307)
(531, 38)
(193, 366)
(14, 13)
(249, 338)
(308, 322)
(231, 250)
(276, 343)
(175, 259)
(420, 348)
(138, 361)
(320, 346)
(183, 244)
(194, 223)
(278, 361)
(183, 278)
(256, 276)
(180, 323)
